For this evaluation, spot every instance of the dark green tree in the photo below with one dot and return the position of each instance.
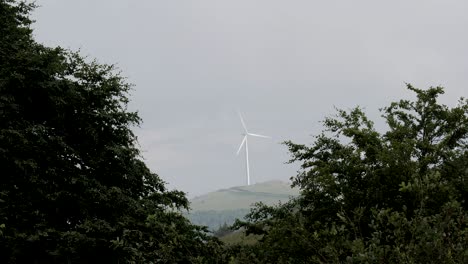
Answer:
(73, 188)
(392, 197)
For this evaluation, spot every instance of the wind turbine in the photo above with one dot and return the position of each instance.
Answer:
(244, 141)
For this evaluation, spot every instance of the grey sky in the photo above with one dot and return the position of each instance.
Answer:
(284, 64)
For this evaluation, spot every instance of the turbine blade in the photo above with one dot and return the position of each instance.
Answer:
(257, 135)
(242, 121)
(242, 144)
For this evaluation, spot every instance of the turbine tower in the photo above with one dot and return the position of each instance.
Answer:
(246, 134)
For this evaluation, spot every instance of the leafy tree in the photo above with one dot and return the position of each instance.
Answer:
(392, 197)
(222, 230)
(73, 188)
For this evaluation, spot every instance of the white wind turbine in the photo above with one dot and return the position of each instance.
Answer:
(244, 141)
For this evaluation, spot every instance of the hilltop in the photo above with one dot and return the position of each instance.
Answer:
(224, 206)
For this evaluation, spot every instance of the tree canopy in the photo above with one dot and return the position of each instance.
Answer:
(392, 197)
(73, 187)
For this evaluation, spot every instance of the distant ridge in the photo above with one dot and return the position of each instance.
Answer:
(224, 206)
(242, 197)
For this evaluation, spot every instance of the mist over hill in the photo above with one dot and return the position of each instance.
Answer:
(226, 205)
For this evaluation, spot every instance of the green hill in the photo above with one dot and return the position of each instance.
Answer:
(224, 206)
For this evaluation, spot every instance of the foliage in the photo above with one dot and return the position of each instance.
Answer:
(367, 197)
(73, 188)
(223, 230)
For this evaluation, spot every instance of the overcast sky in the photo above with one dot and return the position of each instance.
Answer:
(283, 64)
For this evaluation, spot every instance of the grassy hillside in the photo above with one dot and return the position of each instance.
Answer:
(224, 206)
(243, 197)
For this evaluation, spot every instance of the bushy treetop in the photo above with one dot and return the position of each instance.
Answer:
(392, 197)
(73, 187)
